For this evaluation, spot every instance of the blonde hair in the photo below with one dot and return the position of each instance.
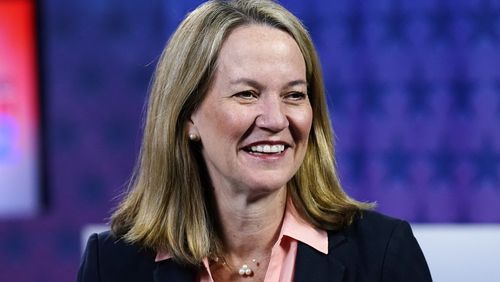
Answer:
(168, 206)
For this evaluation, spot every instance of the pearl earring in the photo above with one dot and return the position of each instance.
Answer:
(193, 137)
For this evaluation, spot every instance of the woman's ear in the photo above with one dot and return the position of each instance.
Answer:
(192, 131)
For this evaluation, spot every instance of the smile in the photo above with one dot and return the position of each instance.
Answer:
(267, 149)
(272, 148)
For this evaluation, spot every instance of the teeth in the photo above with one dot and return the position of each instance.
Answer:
(268, 148)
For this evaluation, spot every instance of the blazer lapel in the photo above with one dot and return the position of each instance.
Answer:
(168, 270)
(314, 266)
(310, 265)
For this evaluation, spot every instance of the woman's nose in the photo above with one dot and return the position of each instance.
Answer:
(272, 115)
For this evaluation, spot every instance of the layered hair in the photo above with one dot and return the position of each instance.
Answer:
(168, 205)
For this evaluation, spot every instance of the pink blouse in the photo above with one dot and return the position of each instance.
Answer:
(282, 262)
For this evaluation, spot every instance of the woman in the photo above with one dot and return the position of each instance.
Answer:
(236, 179)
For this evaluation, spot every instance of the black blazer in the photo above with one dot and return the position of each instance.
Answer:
(374, 248)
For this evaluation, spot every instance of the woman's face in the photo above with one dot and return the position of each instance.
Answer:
(255, 119)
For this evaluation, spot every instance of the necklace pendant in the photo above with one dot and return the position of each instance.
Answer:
(245, 270)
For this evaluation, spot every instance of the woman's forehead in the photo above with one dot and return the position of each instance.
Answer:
(251, 51)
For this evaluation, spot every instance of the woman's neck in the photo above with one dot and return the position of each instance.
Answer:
(250, 226)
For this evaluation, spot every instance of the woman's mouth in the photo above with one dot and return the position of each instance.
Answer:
(267, 149)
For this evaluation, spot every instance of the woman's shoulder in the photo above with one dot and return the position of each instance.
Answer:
(377, 245)
(110, 258)
(111, 243)
(376, 220)
(374, 226)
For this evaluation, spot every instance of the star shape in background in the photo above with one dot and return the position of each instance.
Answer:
(440, 20)
(484, 19)
(336, 96)
(354, 25)
(444, 161)
(92, 188)
(461, 90)
(397, 162)
(419, 91)
(371, 90)
(314, 22)
(65, 135)
(65, 241)
(357, 160)
(396, 22)
(91, 80)
(115, 23)
(498, 95)
(486, 161)
(16, 246)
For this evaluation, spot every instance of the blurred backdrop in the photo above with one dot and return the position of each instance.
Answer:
(413, 89)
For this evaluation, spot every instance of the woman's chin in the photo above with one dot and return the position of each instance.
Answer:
(261, 189)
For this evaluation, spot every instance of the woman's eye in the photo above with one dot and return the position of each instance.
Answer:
(296, 96)
(247, 95)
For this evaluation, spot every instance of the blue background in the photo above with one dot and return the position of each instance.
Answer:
(413, 89)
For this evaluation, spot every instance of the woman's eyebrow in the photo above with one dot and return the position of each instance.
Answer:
(256, 84)
(246, 81)
(297, 82)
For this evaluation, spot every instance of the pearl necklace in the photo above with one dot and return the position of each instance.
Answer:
(244, 270)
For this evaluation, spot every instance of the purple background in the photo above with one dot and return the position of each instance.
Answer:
(414, 90)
